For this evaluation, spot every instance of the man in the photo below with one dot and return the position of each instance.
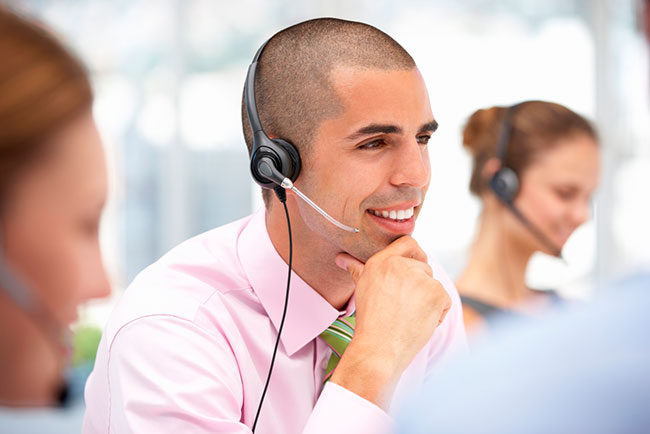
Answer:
(189, 346)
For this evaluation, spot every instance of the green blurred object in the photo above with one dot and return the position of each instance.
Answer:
(85, 343)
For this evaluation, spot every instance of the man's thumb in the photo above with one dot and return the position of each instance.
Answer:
(350, 264)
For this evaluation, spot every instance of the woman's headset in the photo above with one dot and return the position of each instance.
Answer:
(505, 182)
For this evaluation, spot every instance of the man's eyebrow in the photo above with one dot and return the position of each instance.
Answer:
(374, 129)
(429, 126)
(389, 129)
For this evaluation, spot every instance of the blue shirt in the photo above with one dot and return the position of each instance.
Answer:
(581, 370)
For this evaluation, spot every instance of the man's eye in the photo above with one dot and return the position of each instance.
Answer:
(375, 144)
(423, 140)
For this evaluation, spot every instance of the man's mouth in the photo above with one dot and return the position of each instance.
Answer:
(394, 214)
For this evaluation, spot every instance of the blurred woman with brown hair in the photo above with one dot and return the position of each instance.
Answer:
(52, 191)
(535, 167)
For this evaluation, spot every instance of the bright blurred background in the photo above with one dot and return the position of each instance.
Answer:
(168, 76)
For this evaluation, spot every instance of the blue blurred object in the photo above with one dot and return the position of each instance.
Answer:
(62, 420)
(582, 370)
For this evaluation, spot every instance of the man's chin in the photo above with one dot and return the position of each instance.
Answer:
(368, 248)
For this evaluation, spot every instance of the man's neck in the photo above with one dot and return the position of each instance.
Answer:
(313, 258)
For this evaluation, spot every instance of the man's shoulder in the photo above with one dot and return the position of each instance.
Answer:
(201, 276)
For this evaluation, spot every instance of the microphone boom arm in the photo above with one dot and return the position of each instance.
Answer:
(288, 185)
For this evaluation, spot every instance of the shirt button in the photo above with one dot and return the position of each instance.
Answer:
(324, 364)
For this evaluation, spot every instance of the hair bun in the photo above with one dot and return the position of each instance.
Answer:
(479, 134)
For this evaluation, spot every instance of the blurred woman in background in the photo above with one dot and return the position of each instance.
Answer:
(53, 186)
(535, 167)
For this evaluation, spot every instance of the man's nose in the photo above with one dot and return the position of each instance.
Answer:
(412, 168)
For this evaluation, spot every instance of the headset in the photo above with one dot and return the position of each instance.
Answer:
(272, 162)
(269, 157)
(275, 163)
(505, 182)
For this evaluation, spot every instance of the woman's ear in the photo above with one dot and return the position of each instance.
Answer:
(490, 167)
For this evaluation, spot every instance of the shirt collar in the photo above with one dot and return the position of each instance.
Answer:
(308, 314)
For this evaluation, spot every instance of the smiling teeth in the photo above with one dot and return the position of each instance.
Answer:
(401, 214)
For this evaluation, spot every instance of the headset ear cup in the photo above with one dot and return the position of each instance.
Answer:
(263, 148)
(290, 159)
(284, 155)
(505, 184)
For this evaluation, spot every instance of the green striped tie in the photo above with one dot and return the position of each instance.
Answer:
(338, 336)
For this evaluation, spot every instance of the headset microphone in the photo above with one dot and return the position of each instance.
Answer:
(267, 169)
(505, 183)
(557, 252)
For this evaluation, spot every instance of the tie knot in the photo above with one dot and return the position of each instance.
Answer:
(341, 330)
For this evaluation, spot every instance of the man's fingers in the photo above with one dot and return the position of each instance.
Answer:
(406, 247)
(409, 265)
(443, 316)
(350, 264)
(445, 309)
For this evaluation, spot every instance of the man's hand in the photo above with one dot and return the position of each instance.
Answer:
(398, 306)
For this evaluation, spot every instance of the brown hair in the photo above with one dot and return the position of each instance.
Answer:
(292, 85)
(537, 126)
(42, 87)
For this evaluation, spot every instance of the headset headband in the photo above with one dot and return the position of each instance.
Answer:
(506, 130)
(249, 91)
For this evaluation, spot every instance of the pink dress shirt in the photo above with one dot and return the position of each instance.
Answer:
(187, 349)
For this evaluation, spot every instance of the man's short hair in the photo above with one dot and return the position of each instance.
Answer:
(293, 89)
